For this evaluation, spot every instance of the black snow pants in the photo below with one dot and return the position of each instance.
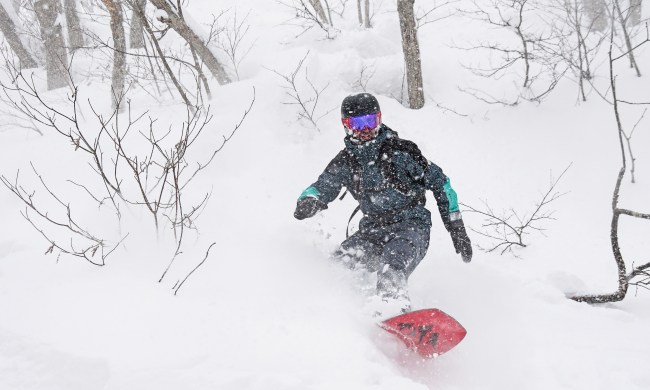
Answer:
(393, 251)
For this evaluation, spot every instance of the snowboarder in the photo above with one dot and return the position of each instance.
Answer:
(388, 176)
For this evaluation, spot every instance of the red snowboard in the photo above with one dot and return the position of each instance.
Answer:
(428, 332)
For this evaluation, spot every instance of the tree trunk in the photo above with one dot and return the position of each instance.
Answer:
(622, 20)
(119, 50)
(175, 22)
(47, 13)
(367, 14)
(635, 12)
(136, 35)
(139, 13)
(411, 50)
(75, 35)
(320, 11)
(359, 12)
(623, 282)
(329, 13)
(197, 62)
(597, 14)
(8, 29)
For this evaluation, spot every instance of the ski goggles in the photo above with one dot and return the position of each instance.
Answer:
(363, 122)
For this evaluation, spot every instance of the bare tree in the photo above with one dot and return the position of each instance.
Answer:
(119, 53)
(75, 35)
(309, 16)
(533, 58)
(138, 161)
(579, 41)
(628, 142)
(430, 15)
(48, 13)
(506, 229)
(411, 49)
(320, 11)
(360, 12)
(636, 10)
(307, 102)
(511, 15)
(231, 39)
(157, 68)
(623, 16)
(136, 34)
(365, 74)
(63, 233)
(8, 28)
(173, 20)
(139, 12)
(154, 177)
(197, 62)
(366, 14)
(596, 12)
(625, 278)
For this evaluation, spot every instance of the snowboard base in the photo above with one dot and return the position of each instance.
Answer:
(427, 332)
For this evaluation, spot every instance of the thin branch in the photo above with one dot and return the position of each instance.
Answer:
(207, 253)
(505, 234)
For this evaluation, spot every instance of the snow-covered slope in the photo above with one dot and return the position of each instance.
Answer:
(267, 310)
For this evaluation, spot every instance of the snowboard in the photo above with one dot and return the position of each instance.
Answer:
(427, 332)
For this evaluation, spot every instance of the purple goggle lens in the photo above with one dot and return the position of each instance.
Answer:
(363, 122)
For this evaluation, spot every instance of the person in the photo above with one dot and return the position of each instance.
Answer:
(388, 176)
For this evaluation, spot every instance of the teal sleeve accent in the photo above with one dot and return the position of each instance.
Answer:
(451, 197)
(310, 192)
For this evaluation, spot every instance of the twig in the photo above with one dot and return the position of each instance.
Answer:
(505, 234)
(179, 285)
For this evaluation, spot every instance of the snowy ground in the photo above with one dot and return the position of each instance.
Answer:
(268, 311)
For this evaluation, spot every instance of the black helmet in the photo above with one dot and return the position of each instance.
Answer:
(361, 117)
(359, 104)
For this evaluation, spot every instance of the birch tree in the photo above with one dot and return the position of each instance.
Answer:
(360, 12)
(310, 14)
(119, 50)
(623, 17)
(363, 11)
(47, 13)
(320, 11)
(367, 14)
(75, 35)
(136, 34)
(8, 28)
(635, 11)
(411, 50)
(173, 20)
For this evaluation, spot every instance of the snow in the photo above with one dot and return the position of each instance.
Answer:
(267, 309)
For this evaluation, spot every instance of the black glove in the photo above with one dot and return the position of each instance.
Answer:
(307, 207)
(462, 244)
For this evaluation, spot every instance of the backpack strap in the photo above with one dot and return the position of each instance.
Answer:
(347, 229)
(352, 162)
